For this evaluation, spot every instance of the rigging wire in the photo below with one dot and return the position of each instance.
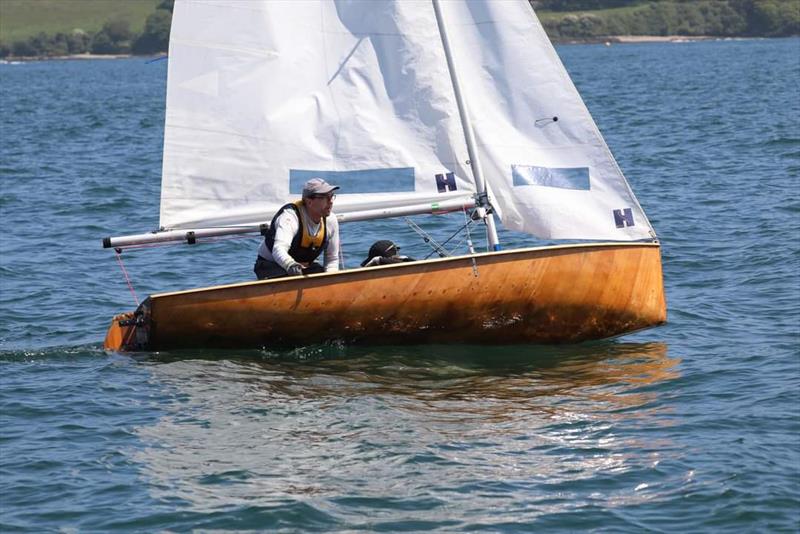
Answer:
(465, 227)
(469, 243)
(439, 249)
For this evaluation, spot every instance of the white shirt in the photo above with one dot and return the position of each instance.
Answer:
(286, 227)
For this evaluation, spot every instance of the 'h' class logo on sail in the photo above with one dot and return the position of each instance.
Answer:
(446, 182)
(623, 217)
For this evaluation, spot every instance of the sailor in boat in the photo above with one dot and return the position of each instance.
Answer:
(384, 252)
(299, 233)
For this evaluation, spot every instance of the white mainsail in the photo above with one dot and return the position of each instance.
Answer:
(264, 94)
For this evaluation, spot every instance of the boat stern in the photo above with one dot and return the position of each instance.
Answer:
(129, 331)
(119, 332)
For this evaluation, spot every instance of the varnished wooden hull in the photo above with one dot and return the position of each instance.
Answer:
(562, 294)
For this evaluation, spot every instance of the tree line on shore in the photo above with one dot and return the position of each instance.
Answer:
(115, 37)
(588, 19)
(563, 20)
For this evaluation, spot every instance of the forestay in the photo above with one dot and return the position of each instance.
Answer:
(264, 94)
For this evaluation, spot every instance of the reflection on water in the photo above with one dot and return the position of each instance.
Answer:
(414, 427)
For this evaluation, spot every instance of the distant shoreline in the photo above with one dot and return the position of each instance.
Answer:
(607, 40)
(634, 39)
(72, 57)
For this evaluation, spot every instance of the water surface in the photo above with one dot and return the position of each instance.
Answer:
(694, 426)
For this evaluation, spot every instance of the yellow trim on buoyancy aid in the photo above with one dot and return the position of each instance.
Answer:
(307, 240)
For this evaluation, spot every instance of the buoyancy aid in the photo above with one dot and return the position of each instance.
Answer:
(305, 247)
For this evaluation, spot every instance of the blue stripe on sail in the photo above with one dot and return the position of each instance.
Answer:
(563, 178)
(364, 181)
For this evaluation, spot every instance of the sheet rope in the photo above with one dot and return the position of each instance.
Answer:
(127, 278)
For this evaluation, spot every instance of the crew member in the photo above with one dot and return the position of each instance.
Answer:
(299, 233)
(384, 252)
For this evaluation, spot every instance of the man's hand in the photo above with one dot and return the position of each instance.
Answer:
(295, 269)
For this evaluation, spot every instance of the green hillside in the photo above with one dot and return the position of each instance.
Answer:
(46, 28)
(587, 19)
(20, 19)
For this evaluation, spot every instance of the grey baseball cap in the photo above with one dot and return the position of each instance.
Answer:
(318, 186)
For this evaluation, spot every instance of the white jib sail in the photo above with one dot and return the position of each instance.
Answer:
(551, 178)
(264, 94)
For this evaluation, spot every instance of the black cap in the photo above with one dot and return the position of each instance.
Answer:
(383, 248)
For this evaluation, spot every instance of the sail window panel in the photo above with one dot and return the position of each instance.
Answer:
(355, 182)
(564, 178)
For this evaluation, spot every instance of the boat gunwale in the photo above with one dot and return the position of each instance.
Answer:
(379, 268)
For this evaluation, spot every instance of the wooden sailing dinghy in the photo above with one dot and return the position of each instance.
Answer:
(411, 107)
(552, 294)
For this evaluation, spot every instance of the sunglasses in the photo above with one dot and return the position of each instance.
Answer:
(329, 197)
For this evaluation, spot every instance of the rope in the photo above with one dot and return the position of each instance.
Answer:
(469, 243)
(127, 278)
